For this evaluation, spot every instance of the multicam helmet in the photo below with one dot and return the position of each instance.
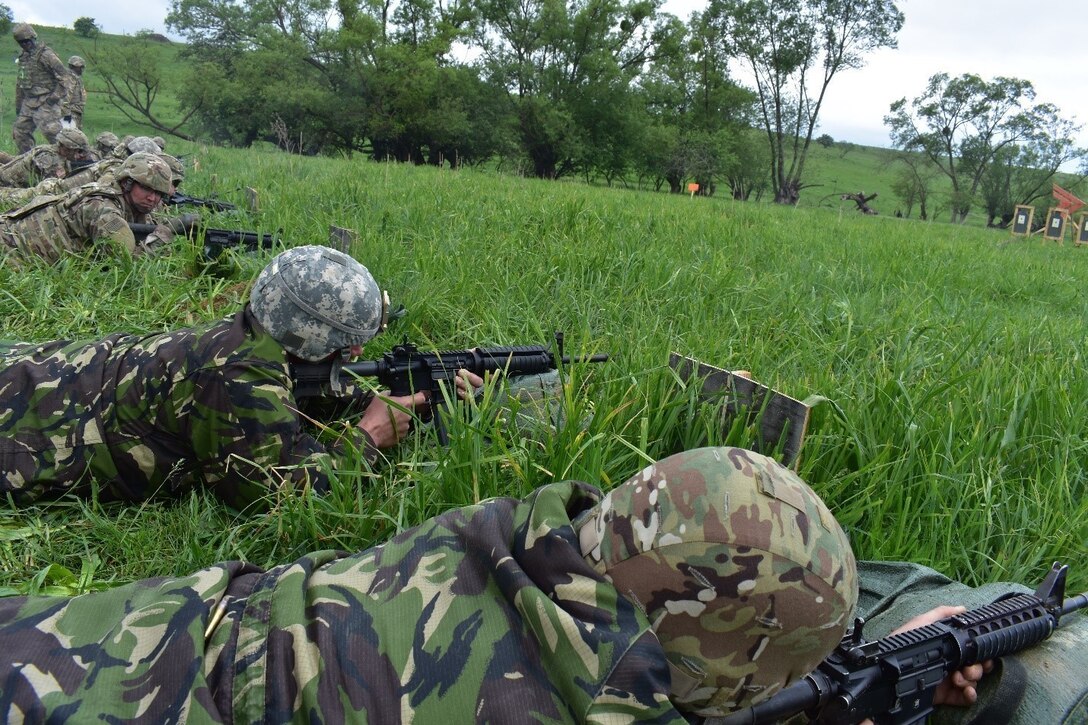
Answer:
(744, 574)
(160, 142)
(149, 170)
(177, 169)
(76, 62)
(106, 142)
(315, 301)
(24, 31)
(73, 138)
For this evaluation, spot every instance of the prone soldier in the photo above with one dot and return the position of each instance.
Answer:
(49, 226)
(211, 404)
(46, 161)
(42, 91)
(701, 586)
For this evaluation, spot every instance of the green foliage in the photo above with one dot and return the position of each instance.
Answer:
(825, 140)
(85, 27)
(957, 418)
(7, 19)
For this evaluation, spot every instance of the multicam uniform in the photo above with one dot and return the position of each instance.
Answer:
(27, 169)
(49, 226)
(41, 94)
(77, 98)
(153, 415)
(495, 612)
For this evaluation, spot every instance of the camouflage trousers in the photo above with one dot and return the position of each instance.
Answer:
(40, 115)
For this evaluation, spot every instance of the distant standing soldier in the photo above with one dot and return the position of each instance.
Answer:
(50, 225)
(41, 91)
(77, 99)
(46, 161)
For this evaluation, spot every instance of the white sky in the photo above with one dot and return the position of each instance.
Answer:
(987, 37)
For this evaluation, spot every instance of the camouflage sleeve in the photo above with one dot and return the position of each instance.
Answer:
(131, 654)
(243, 425)
(100, 221)
(48, 165)
(63, 89)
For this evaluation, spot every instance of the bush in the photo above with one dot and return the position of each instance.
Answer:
(7, 18)
(85, 27)
(826, 141)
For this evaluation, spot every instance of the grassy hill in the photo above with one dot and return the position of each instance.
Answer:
(100, 114)
(949, 358)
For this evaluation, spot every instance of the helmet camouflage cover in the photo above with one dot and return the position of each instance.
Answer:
(141, 145)
(746, 577)
(315, 301)
(177, 169)
(73, 138)
(24, 31)
(149, 170)
(76, 62)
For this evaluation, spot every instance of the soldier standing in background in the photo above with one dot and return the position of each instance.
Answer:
(42, 90)
(77, 99)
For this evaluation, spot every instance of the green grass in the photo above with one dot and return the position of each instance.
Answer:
(955, 432)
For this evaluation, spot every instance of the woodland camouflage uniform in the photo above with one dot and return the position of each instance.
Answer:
(41, 91)
(500, 612)
(151, 416)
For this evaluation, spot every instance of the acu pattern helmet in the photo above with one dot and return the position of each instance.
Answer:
(24, 31)
(147, 169)
(744, 574)
(316, 301)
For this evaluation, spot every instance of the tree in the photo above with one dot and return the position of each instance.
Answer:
(793, 49)
(85, 27)
(133, 80)
(966, 124)
(555, 61)
(913, 183)
(7, 19)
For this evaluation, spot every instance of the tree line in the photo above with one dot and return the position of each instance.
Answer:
(604, 89)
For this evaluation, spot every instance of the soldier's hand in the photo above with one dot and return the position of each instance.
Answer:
(467, 384)
(387, 424)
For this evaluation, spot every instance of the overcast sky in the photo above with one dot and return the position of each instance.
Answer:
(987, 37)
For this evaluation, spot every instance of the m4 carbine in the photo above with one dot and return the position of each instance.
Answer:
(406, 370)
(215, 241)
(893, 680)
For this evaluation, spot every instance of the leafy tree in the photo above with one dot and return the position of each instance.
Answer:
(966, 124)
(913, 182)
(825, 140)
(793, 49)
(85, 27)
(7, 19)
(133, 80)
(563, 67)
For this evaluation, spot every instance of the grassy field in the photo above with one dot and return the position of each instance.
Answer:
(955, 426)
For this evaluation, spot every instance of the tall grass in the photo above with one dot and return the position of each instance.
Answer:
(954, 428)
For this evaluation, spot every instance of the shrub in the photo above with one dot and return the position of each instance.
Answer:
(85, 27)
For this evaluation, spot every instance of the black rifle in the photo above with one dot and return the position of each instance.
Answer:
(177, 199)
(216, 241)
(893, 680)
(405, 370)
(78, 165)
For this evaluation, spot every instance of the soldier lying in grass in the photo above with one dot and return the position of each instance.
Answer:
(701, 585)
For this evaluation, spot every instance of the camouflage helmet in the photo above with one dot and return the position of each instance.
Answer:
(744, 574)
(24, 31)
(76, 62)
(106, 141)
(315, 301)
(160, 142)
(177, 169)
(141, 145)
(149, 170)
(73, 138)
